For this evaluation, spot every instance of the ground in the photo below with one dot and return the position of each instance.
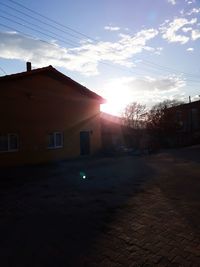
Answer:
(129, 211)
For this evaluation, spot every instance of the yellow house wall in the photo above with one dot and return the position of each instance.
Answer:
(36, 106)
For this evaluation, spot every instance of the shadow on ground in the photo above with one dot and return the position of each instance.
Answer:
(51, 216)
(178, 177)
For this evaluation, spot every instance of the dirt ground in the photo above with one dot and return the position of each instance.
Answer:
(128, 211)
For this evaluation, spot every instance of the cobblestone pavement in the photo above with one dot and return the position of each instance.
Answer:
(129, 211)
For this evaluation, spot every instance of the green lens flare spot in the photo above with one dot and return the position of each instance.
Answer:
(83, 175)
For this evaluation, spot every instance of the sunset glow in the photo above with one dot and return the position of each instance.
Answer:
(117, 100)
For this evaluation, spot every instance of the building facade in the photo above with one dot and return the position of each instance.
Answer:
(46, 116)
(187, 118)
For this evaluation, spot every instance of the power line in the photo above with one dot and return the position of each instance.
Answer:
(38, 20)
(28, 27)
(157, 67)
(104, 63)
(161, 67)
(44, 41)
(69, 42)
(27, 35)
(54, 21)
(37, 26)
(3, 70)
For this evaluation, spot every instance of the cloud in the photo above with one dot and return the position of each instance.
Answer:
(83, 58)
(195, 98)
(166, 83)
(147, 90)
(110, 28)
(190, 49)
(173, 2)
(195, 34)
(193, 11)
(189, 2)
(40, 53)
(170, 30)
(147, 84)
(186, 29)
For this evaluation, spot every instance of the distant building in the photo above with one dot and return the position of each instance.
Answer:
(117, 135)
(112, 132)
(187, 118)
(46, 116)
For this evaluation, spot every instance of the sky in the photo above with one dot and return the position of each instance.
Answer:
(127, 51)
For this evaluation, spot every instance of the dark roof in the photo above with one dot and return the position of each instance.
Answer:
(52, 72)
(111, 118)
(189, 105)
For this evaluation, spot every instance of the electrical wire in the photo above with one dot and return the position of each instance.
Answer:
(50, 19)
(38, 20)
(170, 69)
(149, 64)
(37, 26)
(3, 70)
(28, 27)
(27, 35)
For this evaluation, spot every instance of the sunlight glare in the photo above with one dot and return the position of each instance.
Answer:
(116, 102)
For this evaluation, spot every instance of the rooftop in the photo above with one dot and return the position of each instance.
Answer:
(55, 74)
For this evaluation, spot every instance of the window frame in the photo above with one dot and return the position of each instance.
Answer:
(55, 146)
(8, 136)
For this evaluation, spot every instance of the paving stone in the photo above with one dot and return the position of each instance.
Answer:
(64, 225)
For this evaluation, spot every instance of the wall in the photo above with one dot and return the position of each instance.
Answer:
(37, 105)
(187, 117)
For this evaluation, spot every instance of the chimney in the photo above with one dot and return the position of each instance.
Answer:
(28, 66)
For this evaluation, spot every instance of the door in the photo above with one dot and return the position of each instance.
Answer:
(84, 143)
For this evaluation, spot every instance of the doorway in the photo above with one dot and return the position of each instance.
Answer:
(85, 143)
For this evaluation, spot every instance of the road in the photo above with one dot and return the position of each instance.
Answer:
(128, 211)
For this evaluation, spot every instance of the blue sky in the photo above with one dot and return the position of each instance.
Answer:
(126, 50)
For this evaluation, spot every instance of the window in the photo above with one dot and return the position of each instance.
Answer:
(9, 142)
(55, 140)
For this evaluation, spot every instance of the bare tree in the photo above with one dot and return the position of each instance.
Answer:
(161, 121)
(134, 115)
(160, 115)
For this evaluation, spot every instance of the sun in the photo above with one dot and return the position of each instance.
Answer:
(116, 102)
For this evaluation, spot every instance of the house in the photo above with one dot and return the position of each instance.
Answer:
(46, 116)
(187, 118)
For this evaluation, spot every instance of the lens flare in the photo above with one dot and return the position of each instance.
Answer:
(83, 175)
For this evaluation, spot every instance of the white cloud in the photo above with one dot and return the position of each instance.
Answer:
(16, 46)
(158, 50)
(84, 58)
(190, 49)
(170, 30)
(195, 34)
(166, 83)
(193, 11)
(195, 98)
(186, 29)
(111, 28)
(173, 2)
(148, 90)
(147, 84)
(189, 2)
